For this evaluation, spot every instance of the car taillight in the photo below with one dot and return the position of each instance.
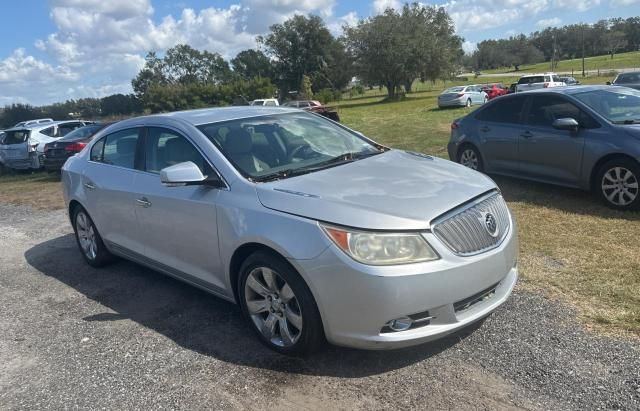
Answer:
(460, 94)
(546, 85)
(74, 147)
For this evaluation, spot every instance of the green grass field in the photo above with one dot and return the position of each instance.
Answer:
(602, 63)
(571, 246)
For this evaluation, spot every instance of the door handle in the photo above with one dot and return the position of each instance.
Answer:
(527, 134)
(485, 129)
(89, 186)
(143, 202)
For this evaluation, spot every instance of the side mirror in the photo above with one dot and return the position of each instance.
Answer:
(608, 83)
(568, 124)
(185, 174)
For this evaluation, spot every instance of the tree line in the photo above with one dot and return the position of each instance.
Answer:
(557, 43)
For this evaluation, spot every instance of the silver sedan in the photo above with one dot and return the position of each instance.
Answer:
(317, 232)
(462, 96)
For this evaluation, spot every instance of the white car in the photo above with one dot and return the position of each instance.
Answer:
(34, 122)
(23, 147)
(537, 81)
(265, 102)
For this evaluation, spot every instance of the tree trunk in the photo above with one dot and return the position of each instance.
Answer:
(407, 86)
(391, 89)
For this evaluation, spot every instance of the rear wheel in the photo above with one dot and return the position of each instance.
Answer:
(91, 245)
(469, 157)
(279, 305)
(618, 184)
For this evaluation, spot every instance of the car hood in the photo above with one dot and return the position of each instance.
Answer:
(396, 190)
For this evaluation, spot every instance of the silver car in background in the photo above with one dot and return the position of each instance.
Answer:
(314, 230)
(586, 137)
(462, 96)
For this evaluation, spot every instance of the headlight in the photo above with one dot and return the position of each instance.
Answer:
(379, 248)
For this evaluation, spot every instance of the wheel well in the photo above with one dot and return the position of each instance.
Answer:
(608, 157)
(73, 204)
(465, 145)
(241, 254)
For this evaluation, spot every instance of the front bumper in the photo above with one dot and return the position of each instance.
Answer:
(356, 301)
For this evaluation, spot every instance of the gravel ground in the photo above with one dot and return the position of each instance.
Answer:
(126, 337)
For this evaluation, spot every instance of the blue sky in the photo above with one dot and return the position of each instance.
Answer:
(60, 49)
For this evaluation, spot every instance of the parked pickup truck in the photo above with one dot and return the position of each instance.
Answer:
(22, 148)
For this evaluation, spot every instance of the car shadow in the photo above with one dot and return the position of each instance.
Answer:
(566, 199)
(203, 323)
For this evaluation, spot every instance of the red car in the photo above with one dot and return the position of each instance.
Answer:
(495, 90)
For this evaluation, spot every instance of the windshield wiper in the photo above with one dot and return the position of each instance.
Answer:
(341, 159)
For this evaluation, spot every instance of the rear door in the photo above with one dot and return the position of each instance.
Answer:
(498, 126)
(108, 181)
(178, 224)
(547, 153)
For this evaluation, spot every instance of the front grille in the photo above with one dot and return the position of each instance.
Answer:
(468, 230)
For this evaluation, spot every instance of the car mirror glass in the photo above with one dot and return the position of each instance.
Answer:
(568, 123)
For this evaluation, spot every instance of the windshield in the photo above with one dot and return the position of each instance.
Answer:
(628, 78)
(16, 136)
(531, 80)
(279, 146)
(453, 90)
(618, 106)
(82, 132)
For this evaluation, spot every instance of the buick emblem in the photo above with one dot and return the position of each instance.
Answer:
(491, 225)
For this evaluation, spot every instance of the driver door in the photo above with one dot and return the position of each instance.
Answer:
(178, 224)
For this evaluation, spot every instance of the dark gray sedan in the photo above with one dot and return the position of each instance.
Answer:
(586, 137)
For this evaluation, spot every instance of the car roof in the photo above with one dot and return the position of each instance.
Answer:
(216, 115)
(42, 126)
(574, 89)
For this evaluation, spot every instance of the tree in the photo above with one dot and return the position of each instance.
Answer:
(301, 45)
(252, 63)
(305, 88)
(613, 41)
(395, 48)
(120, 104)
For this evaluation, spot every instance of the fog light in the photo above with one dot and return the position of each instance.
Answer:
(400, 324)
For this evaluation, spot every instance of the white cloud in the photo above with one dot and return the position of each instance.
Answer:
(379, 6)
(99, 45)
(552, 22)
(349, 19)
(469, 47)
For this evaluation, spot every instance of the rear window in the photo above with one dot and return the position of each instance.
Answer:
(530, 80)
(453, 90)
(16, 137)
(82, 133)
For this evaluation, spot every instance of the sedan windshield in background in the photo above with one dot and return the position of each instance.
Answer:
(628, 78)
(618, 106)
(280, 146)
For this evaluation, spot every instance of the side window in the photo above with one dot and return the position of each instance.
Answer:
(164, 148)
(503, 110)
(49, 131)
(120, 148)
(270, 103)
(96, 150)
(545, 110)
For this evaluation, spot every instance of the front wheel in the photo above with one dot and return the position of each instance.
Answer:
(470, 157)
(279, 305)
(468, 103)
(617, 184)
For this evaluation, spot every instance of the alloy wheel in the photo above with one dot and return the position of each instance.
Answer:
(86, 236)
(620, 186)
(273, 307)
(469, 158)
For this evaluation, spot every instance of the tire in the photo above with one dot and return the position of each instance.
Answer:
(617, 184)
(468, 103)
(469, 156)
(89, 241)
(485, 100)
(285, 320)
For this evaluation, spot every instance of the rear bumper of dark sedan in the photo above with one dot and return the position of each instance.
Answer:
(55, 163)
